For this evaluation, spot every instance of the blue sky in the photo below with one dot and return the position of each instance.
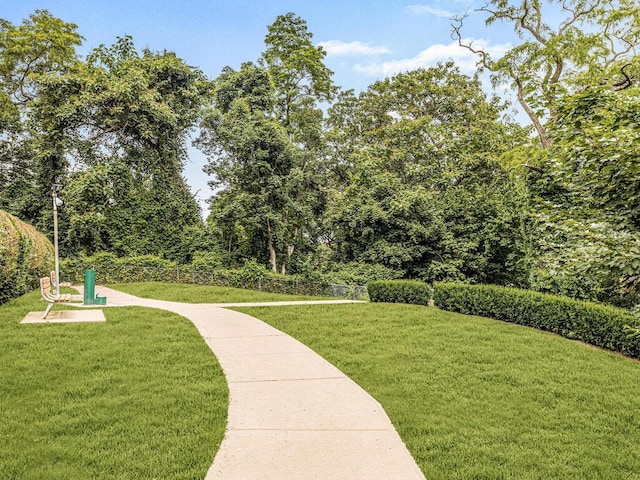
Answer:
(365, 40)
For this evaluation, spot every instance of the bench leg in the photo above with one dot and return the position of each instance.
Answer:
(46, 312)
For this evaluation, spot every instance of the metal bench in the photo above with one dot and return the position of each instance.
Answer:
(51, 298)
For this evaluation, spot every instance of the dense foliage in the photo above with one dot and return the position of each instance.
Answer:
(25, 256)
(420, 176)
(121, 118)
(264, 143)
(424, 191)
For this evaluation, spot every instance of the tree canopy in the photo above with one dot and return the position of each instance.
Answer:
(426, 193)
(565, 45)
(264, 142)
(421, 175)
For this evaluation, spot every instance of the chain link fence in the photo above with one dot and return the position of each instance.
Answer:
(292, 286)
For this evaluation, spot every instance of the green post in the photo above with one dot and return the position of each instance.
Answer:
(89, 287)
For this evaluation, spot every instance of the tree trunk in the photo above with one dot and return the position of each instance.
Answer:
(290, 249)
(540, 130)
(272, 250)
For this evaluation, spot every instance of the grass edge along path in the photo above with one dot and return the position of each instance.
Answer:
(140, 396)
(475, 398)
(189, 293)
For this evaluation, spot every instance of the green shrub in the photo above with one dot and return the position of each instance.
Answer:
(208, 261)
(25, 256)
(355, 273)
(599, 325)
(113, 269)
(400, 291)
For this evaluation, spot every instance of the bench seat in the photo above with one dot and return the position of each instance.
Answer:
(51, 298)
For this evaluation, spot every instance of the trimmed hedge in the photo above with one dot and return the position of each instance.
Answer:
(400, 291)
(599, 325)
(25, 256)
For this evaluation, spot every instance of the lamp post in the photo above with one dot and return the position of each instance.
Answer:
(55, 188)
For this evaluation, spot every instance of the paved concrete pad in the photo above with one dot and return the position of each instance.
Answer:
(65, 316)
(292, 415)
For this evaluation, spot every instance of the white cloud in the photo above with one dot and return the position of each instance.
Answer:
(429, 10)
(336, 48)
(465, 60)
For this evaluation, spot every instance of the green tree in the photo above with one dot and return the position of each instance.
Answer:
(591, 199)
(299, 76)
(565, 44)
(264, 141)
(31, 158)
(575, 74)
(426, 193)
(127, 115)
(251, 158)
(301, 83)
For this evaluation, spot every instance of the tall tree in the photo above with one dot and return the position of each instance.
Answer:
(31, 158)
(250, 156)
(592, 194)
(128, 115)
(575, 73)
(264, 141)
(299, 76)
(301, 82)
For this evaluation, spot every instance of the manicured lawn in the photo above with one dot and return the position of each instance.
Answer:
(177, 292)
(140, 396)
(480, 399)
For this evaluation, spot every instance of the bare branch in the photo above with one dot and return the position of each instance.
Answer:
(522, 20)
(626, 82)
(456, 34)
(532, 167)
(575, 15)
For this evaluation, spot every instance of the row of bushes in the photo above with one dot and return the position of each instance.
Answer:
(25, 256)
(597, 324)
(146, 268)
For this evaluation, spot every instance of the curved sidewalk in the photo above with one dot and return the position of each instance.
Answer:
(292, 415)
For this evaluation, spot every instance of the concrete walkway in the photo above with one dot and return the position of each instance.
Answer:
(292, 415)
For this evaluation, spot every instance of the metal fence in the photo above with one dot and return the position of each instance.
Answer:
(293, 285)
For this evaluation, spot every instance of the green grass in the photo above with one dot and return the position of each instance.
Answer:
(480, 399)
(140, 396)
(177, 292)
